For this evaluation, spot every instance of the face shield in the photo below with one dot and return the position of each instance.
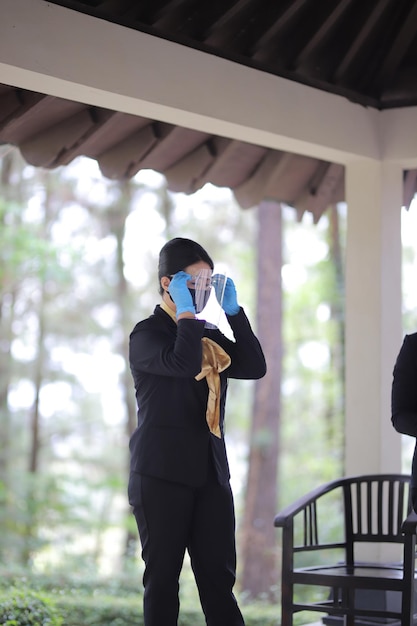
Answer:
(207, 292)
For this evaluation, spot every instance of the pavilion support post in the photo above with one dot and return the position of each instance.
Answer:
(373, 314)
(373, 320)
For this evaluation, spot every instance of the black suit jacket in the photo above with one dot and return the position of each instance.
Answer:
(172, 440)
(404, 394)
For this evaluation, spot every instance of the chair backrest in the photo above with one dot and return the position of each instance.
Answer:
(320, 533)
(375, 508)
(344, 512)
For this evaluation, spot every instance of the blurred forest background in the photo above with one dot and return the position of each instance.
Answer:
(78, 269)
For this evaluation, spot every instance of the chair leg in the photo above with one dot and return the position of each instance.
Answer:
(407, 600)
(407, 606)
(287, 599)
(349, 603)
(286, 618)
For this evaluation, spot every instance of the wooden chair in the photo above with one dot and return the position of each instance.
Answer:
(322, 537)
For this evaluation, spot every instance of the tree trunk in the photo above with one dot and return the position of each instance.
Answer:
(7, 313)
(38, 382)
(258, 538)
(32, 504)
(117, 223)
(7, 300)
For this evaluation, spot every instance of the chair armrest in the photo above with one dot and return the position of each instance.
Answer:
(283, 519)
(409, 526)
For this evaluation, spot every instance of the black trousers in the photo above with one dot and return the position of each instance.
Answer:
(172, 518)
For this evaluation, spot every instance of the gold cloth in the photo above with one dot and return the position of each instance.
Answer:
(170, 312)
(214, 361)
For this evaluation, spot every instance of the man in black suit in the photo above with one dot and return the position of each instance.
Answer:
(179, 481)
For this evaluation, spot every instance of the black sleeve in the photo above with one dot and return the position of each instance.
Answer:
(162, 353)
(248, 361)
(404, 388)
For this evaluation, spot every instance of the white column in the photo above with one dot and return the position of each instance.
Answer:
(373, 314)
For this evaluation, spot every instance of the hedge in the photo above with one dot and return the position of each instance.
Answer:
(103, 610)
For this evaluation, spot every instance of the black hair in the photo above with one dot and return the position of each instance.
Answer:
(179, 253)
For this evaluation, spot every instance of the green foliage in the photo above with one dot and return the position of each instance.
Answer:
(313, 377)
(101, 610)
(75, 585)
(114, 601)
(27, 608)
(62, 268)
(62, 236)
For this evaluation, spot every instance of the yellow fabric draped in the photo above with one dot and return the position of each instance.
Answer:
(214, 361)
(170, 312)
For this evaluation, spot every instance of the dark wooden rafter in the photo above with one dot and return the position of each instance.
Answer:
(229, 23)
(265, 48)
(352, 62)
(236, 31)
(307, 55)
(118, 7)
(175, 15)
(397, 50)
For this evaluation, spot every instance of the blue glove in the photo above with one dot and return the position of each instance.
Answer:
(179, 292)
(229, 304)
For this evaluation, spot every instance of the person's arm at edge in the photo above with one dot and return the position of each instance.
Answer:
(404, 389)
